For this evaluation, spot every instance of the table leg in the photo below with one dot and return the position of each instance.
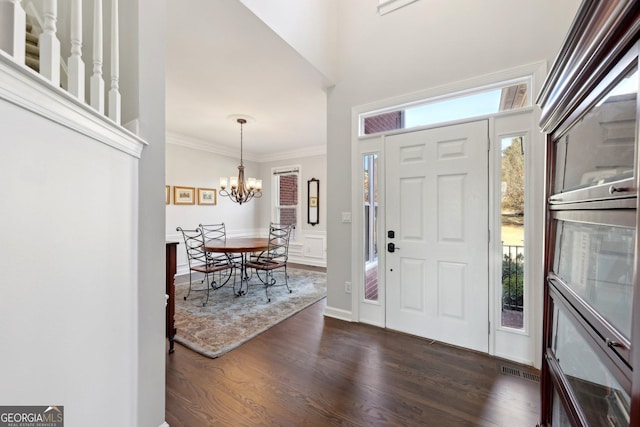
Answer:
(244, 276)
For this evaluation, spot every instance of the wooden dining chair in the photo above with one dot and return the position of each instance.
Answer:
(217, 271)
(274, 258)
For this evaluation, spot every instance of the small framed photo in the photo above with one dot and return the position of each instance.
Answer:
(184, 195)
(313, 202)
(207, 196)
(167, 194)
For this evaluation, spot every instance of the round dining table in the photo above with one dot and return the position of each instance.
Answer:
(239, 245)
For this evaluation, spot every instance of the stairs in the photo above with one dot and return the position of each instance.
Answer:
(32, 57)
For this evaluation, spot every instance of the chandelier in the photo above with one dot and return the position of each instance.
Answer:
(241, 191)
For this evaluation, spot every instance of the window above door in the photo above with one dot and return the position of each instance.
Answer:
(505, 96)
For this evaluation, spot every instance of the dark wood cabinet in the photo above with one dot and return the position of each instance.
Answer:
(592, 300)
(171, 292)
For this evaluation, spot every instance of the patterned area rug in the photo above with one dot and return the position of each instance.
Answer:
(228, 320)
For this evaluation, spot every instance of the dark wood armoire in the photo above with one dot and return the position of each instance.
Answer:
(591, 340)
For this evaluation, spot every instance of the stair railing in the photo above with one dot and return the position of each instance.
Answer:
(12, 41)
(75, 62)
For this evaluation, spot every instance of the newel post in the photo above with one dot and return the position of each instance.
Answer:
(13, 25)
(76, 65)
(114, 93)
(97, 82)
(49, 44)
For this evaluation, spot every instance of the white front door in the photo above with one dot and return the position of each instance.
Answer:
(437, 208)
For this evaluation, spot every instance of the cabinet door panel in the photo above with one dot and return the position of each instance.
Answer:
(599, 394)
(596, 262)
(595, 158)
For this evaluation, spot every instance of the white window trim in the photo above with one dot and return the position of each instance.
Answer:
(274, 199)
(387, 6)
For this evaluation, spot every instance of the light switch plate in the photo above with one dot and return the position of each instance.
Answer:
(346, 216)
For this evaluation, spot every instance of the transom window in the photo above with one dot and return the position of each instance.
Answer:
(505, 96)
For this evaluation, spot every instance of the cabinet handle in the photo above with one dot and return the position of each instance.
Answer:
(613, 189)
(614, 344)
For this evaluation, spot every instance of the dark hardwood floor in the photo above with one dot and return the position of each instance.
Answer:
(315, 371)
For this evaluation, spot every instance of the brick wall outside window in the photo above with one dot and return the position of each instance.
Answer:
(383, 122)
(288, 196)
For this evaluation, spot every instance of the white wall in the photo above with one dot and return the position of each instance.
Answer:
(68, 312)
(309, 26)
(424, 45)
(149, 98)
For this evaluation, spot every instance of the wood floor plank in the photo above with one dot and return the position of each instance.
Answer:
(315, 371)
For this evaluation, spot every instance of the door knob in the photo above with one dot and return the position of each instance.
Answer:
(391, 247)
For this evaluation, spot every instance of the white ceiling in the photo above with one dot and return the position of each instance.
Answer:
(223, 61)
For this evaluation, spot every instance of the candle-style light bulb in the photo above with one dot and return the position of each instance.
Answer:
(251, 183)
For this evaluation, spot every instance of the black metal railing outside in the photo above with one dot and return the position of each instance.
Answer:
(512, 277)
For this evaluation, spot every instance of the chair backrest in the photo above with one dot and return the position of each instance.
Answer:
(213, 231)
(194, 245)
(279, 235)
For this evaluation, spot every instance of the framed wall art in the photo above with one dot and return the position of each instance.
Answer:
(167, 194)
(207, 196)
(184, 195)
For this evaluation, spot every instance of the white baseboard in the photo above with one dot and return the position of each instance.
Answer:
(338, 313)
(164, 424)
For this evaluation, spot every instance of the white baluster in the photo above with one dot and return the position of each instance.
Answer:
(12, 29)
(97, 82)
(49, 44)
(114, 93)
(76, 65)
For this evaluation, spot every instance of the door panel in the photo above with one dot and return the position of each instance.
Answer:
(437, 204)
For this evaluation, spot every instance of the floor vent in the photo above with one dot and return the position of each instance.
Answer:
(508, 370)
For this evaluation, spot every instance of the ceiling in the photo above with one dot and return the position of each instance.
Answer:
(223, 61)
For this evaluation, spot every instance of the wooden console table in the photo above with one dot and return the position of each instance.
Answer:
(171, 292)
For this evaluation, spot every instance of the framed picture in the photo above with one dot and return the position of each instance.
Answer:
(313, 202)
(206, 196)
(167, 194)
(184, 195)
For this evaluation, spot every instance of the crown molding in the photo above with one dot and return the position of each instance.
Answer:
(210, 147)
(316, 150)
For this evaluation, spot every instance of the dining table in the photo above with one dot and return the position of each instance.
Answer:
(239, 245)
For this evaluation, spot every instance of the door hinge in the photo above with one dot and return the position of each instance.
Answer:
(488, 144)
(489, 327)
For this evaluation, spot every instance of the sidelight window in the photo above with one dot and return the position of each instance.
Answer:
(512, 231)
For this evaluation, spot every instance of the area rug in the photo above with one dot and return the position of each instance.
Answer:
(229, 320)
